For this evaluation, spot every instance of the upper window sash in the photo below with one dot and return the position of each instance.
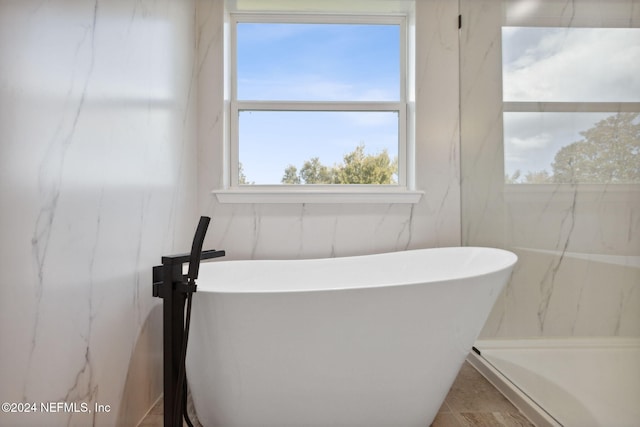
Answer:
(296, 18)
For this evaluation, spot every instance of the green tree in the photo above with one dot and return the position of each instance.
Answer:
(356, 168)
(609, 153)
(314, 172)
(359, 168)
(540, 177)
(242, 178)
(291, 175)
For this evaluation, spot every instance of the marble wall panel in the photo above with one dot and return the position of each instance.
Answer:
(97, 181)
(578, 272)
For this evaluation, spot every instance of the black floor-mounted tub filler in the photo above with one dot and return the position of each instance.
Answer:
(176, 289)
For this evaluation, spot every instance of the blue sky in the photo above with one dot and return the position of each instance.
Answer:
(319, 62)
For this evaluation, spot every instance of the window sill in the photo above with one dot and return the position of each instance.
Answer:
(296, 194)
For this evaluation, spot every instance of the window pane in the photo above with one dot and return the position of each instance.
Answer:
(572, 147)
(271, 142)
(318, 62)
(571, 64)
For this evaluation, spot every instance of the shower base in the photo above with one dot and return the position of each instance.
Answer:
(570, 382)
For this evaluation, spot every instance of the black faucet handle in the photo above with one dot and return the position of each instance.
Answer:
(196, 248)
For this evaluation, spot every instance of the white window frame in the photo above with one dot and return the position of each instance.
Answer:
(402, 192)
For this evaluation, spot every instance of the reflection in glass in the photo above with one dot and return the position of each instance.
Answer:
(588, 148)
(542, 64)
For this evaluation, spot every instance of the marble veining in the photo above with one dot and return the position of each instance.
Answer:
(50, 177)
(576, 274)
(98, 152)
(549, 277)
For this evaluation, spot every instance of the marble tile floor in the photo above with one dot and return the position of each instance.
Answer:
(472, 401)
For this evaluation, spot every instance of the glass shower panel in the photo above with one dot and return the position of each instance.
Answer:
(550, 97)
(571, 147)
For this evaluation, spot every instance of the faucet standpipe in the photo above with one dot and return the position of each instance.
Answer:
(176, 289)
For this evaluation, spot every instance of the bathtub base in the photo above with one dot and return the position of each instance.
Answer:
(377, 371)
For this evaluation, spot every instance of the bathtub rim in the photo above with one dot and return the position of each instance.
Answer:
(509, 262)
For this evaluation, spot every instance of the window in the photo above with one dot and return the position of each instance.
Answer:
(318, 101)
(571, 105)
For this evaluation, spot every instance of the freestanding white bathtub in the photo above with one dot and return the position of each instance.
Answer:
(372, 340)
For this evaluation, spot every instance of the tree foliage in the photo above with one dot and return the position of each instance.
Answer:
(357, 168)
(291, 175)
(242, 178)
(608, 153)
(314, 172)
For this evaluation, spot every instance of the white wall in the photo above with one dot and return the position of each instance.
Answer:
(312, 230)
(97, 181)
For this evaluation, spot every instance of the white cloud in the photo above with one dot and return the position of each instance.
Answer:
(299, 87)
(536, 142)
(572, 64)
